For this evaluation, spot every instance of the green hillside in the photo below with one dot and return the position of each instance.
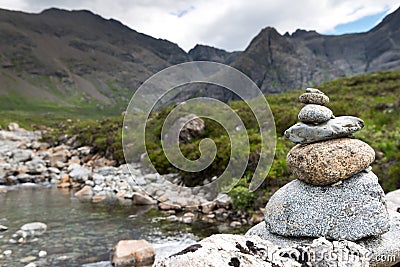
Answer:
(372, 97)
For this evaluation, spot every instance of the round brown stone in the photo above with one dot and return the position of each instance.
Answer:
(331, 161)
(314, 98)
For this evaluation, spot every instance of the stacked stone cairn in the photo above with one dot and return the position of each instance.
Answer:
(335, 195)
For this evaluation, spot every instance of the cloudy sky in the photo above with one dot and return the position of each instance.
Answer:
(227, 24)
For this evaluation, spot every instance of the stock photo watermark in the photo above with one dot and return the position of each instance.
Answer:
(165, 87)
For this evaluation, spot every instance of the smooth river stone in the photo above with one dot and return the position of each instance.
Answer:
(314, 98)
(352, 210)
(384, 250)
(342, 126)
(315, 114)
(330, 161)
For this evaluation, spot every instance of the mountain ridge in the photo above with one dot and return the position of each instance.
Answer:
(79, 58)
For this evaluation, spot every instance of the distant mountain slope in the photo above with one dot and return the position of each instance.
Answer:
(280, 63)
(70, 56)
(208, 53)
(77, 58)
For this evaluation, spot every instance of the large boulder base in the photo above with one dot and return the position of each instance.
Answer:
(383, 250)
(352, 210)
(236, 250)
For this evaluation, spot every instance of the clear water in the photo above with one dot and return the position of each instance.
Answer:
(80, 233)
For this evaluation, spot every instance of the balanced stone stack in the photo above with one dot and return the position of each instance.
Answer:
(335, 195)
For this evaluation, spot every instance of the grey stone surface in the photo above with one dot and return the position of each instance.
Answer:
(316, 114)
(330, 161)
(393, 200)
(352, 210)
(314, 98)
(338, 127)
(384, 250)
(228, 250)
(236, 250)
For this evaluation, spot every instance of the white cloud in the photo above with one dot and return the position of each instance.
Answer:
(228, 24)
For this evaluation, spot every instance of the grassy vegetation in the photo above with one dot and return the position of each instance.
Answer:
(373, 97)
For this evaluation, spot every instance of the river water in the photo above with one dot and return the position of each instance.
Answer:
(81, 232)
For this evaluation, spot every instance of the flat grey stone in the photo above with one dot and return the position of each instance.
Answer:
(384, 250)
(342, 126)
(315, 114)
(352, 210)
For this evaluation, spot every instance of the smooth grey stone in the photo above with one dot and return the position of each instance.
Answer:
(342, 126)
(352, 210)
(315, 114)
(386, 246)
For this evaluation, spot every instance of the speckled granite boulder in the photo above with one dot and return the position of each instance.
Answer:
(330, 161)
(314, 98)
(228, 250)
(240, 251)
(352, 210)
(384, 250)
(342, 126)
(315, 114)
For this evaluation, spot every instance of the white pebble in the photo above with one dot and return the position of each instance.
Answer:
(42, 253)
(7, 252)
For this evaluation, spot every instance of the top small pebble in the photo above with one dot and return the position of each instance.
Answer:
(314, 91)
(314, 96)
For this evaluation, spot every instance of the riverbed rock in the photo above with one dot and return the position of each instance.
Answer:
(22, 155)
(86, 192)
(34, 228)
(315, 114)
(141, 199)
(352, 210)
(341, 126)
(236, 250)
(133, 253)
(330, 161)
(58, 157)
(314, 98)
(384, 250)
(80, 174)
(13, 126)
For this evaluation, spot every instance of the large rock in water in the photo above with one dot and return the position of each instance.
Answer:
(133, 253)
(330, 161)
(240, 251)
(352, 210)
(383, 250)
(342, 126)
